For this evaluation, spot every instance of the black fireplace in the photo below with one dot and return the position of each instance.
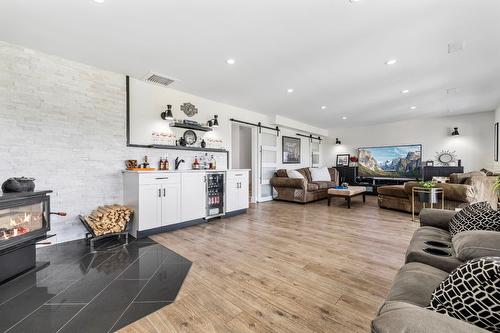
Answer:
(24, 221)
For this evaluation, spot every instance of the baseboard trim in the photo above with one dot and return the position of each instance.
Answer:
(172, 227)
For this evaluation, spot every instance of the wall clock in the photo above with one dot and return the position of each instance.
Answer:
(446, 157)
(190, 137)
(189, 109)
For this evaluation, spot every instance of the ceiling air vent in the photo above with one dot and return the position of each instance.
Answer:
(159, 79)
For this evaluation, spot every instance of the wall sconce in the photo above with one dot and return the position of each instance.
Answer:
(213, 122)
(337, 141)
(455, 131)
(167, 115)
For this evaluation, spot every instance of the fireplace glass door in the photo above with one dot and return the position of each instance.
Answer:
(23, 220)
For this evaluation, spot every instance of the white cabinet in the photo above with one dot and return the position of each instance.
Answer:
(193, 202)
(237, 190)
(155, 198)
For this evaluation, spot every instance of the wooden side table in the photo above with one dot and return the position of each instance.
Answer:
(431, 194)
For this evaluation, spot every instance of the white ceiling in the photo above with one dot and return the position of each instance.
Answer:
(331, 52)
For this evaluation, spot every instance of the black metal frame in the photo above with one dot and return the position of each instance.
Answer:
(18, 200)
(92, 238)
(310, 137)
(495, 143)
(283, 149)
(259, 125)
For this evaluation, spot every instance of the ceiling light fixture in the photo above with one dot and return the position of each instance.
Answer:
(344, 118)
(353, 1)
(230, 61)
(391, 62)
(405, 91)
(99, 1)
(290, 90)
(323, 107)
(413, 107)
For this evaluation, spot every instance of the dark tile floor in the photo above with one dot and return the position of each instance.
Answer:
(74, 291)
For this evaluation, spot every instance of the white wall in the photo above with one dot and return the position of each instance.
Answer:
(64, 123)
(474, 145)
(147, 101)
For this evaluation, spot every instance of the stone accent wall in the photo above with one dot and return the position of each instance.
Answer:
(64, 123)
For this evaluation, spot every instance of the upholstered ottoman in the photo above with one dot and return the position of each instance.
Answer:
(347, 194)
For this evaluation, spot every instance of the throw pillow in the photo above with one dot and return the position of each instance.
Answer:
(320, 175)
(471, 293)
(477, 216)
(294, 174)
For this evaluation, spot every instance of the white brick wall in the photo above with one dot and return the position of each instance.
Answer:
(63, 123)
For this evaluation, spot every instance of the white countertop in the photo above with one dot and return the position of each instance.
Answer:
(184, 171)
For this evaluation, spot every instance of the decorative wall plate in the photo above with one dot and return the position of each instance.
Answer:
(189, 109)
(446, 157)
(190, 137)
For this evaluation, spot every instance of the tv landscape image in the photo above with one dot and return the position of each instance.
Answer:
(391, 161)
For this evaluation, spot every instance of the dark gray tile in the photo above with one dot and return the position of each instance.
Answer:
(136, 311)
(23, 304)
(145, 266)
(83, 290)
(165, 284)
(105, 310)
(63, 253)
(172, 257)
(48, 318)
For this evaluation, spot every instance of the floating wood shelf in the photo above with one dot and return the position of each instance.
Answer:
(214, 150)
(191, 127)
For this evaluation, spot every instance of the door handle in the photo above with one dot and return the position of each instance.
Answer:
(159, 192)
(162, 178)
(164, 192)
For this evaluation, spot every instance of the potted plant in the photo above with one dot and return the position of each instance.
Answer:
(430, 196)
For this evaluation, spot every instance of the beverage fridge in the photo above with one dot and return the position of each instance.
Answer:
(215, 194)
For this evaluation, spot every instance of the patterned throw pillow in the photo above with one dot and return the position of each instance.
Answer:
(477, 216)
(471, 293)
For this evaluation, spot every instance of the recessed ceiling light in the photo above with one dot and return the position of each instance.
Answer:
(228, 61)
(344, 118)
(353, 0)
(323, 107)
(391, 62)
(405, 91)
(99, 1)
(413, 107)
(290, 90)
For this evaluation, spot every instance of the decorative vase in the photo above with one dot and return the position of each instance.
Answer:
(203, 144)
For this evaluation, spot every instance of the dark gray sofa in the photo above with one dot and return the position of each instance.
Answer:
(404, 309)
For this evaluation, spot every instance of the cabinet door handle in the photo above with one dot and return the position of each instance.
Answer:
(162, 178)
(164, 192)
(159, 192)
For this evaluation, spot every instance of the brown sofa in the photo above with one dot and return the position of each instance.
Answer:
(463, 189)
(302, 190)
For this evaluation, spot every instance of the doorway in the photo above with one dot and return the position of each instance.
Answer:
(242, 156)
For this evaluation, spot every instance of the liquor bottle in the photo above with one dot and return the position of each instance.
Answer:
(161, 165)
(166, 165)
(196, 164)
(213, 163)
(205, 158)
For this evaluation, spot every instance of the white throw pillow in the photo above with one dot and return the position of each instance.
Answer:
(294, 174)
(320, 175)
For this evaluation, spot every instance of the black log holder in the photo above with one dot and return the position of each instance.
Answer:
(92, 238)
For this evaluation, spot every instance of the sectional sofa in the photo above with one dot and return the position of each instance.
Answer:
(404, 309)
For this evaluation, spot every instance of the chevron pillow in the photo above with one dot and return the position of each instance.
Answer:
(477, 216)
(471, 293)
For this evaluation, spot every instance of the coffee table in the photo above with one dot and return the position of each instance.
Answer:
(347, 193)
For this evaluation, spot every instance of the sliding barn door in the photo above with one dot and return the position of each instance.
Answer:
(315, 154)
(268, 163)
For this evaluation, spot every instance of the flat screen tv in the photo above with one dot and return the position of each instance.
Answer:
(390, 162)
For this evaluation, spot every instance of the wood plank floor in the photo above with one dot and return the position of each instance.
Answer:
(285, 267)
